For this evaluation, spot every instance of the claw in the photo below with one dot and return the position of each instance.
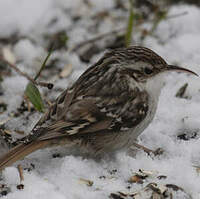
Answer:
(156, 152)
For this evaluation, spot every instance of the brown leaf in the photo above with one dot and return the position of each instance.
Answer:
(180, 93)
(136, 179)
(87, 182)
(8, 54)
(66, 71)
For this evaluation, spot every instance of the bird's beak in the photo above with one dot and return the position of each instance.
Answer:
(180, 69)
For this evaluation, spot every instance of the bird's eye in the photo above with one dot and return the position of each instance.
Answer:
(148, 71)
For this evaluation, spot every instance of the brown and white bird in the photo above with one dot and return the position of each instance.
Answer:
(106, 109)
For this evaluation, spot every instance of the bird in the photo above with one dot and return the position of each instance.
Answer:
(105, 110)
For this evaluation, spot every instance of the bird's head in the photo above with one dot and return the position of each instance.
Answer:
(143, 64)
(143, 67)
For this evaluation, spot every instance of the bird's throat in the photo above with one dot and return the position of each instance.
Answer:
(154, 86)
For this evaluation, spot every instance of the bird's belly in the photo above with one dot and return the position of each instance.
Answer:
(108, 143)
(124, 139)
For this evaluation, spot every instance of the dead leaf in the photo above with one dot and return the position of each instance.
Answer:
(8, 55)
(136, 179)
(180, 93)
(87, 182)
(66, 71)
(141, 175)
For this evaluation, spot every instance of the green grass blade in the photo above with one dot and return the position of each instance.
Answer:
(32, 91)
(34, 96)
(129, 30)
(44, 63)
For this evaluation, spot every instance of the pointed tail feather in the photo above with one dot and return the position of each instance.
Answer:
(20, 151)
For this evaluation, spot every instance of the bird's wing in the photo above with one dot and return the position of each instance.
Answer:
(101, 100)
(99, 114)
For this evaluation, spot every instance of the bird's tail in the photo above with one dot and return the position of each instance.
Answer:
(20, 151)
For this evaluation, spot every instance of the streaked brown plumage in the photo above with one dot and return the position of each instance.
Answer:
(105, 110)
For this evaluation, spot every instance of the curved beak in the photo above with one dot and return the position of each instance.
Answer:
(180, 69)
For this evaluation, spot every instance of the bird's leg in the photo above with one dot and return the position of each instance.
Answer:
(156, 152)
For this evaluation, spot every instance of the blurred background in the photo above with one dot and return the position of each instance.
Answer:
(55, 41)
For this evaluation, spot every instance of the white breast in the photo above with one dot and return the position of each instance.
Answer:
(153, 87)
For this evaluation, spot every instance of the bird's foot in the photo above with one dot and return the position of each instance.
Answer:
(156, 152)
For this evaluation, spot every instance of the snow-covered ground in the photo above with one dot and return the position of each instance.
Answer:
(177, 41)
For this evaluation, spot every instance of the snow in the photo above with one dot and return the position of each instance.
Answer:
(28, 52)
(14, 89)
(23, 16)
(60, 177)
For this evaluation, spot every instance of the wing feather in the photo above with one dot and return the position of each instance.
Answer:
(97, 102)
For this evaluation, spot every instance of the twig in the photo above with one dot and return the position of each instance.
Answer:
(13, 66)
(176, 15)
(99, 37)
(21, 175)
(17, 70)
(44, 84)
(21, 185)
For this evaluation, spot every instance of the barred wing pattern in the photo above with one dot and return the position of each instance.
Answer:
(95, 104)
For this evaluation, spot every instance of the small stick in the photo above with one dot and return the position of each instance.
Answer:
(13, 66)
(17, 70)
(44, 84)
(99, 37)
(21, 185)
(177, 15)
(21, 175)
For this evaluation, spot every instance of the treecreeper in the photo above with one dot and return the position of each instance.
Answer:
(105, 110)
